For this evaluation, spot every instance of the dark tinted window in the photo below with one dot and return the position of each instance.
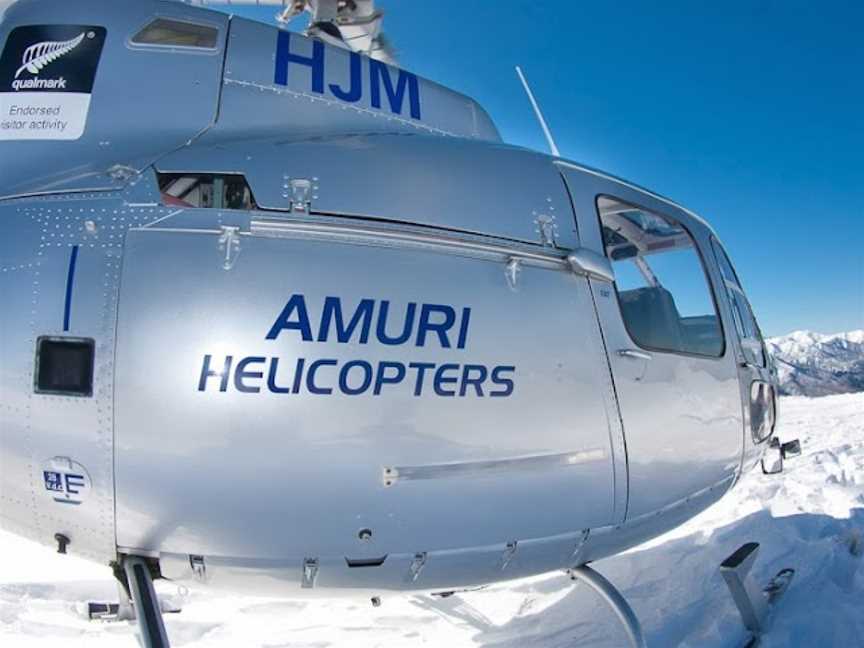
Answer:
(217, 191)
(64, 366)
(175, 33)
(664, 294)
(752, 344)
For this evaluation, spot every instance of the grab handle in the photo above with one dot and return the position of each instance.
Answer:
(635, 354)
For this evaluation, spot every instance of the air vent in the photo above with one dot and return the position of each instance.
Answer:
(365, 562)
(64, 366)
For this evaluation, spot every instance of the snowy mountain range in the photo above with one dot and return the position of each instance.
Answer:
(812, 364)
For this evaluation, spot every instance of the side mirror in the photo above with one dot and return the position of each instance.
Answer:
(772, 460)
(791, 449)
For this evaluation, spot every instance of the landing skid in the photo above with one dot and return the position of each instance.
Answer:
(148, 612)
(615, 600)
(141, 598)
(755, 604)
(123, 610)
(140, 603)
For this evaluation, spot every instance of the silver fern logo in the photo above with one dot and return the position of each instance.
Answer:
(39, 55)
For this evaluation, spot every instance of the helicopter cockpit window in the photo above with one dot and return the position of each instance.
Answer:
(752, 344)
(216, 191)
(175, 33)
(664, 294)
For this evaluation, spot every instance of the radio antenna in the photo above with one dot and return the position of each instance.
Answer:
(539, 114)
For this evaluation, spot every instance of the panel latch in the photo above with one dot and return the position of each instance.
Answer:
(547, 230)
(300, 192)
(310, 573)
(417, 566)
(229, 245)
(199, 569)
(509, 554)
(512, 271)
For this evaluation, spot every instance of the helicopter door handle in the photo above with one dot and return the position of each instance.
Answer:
(635, 354)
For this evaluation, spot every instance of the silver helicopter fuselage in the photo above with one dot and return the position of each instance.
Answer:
(283, 318)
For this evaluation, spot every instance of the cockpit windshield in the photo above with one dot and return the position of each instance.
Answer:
(666, 300)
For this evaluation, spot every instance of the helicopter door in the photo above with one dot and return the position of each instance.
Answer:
(240, 434)
(758, 396)
(676, 384)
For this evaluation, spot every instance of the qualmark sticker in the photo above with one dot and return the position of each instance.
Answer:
(46, 79)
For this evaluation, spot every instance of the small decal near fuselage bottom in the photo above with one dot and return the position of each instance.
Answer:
(66, 481)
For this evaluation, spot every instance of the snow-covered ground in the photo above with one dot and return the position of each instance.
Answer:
(810, 518)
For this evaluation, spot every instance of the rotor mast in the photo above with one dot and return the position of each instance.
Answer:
(350, 24)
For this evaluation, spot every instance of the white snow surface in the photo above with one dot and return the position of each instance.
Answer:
(810, 518)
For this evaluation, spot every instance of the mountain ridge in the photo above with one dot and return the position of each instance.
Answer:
(816, 364)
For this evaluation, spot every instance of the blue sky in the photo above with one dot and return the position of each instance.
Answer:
(749, 113)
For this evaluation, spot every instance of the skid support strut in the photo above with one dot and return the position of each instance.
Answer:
(754, 603)
(615, 600)
(147, 610)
